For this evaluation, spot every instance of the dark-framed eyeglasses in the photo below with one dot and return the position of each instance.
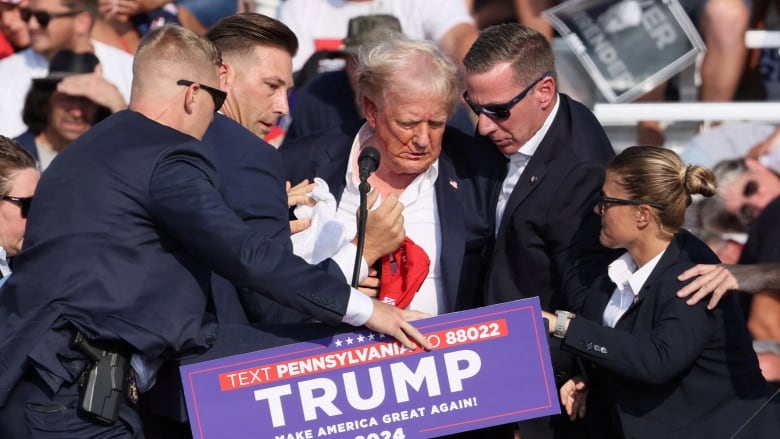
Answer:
(22, 202)
(217, 95)
(605, 201)
(44, 17)
(501, 111)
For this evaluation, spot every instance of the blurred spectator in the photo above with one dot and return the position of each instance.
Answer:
(199, 15)
(722, 231)
(722, 25)
(54, 118)
(322, 25)
(18, 179)
(55, 25)
(752, 191)
(122, 23)
(526, 12)
(14, 34)
(660, 368)
(329, 98)
(726, 141)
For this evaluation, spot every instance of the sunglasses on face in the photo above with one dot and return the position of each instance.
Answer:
(22, 202)
(43, 18)
(748, 211)
(501, 111)
(217, 95)
(604, 202)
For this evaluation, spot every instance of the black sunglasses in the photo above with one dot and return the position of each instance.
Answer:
(748, 211)
(42, 17)
(501, 111)
(217, 95)
(604, 202)
(22, 202)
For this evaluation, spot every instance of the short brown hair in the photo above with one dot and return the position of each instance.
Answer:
(237, 35)
(527, 50)
(13, 157)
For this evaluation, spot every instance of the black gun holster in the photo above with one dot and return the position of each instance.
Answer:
(103, 385)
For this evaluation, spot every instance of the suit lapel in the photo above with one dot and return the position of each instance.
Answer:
(671, 255)
(451, 230)
(536, 169)
(332, 167)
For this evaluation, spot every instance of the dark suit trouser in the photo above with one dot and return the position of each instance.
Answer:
(34, 412)
(163, 410)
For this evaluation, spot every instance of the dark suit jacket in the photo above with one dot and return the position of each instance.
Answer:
(463, 189)
(125, 228)
(547, 243)
(668, 369)
(253, 181)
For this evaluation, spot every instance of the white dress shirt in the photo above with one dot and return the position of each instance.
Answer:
(518, 162)
(421, 221)
(629, 281)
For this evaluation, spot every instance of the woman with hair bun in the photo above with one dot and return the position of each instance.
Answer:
(654, 366)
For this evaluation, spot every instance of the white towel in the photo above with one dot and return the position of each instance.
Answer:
(326, 235)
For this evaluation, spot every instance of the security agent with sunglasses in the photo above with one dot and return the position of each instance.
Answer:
(55, 25)
(18, 178)
(126, 228)
(556, 150)
(751, 190)
(657, 367)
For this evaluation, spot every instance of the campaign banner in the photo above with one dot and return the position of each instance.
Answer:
(628, 47)
(488, 366)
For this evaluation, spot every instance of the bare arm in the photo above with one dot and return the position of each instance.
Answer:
(95, 88)
(717, 280)
(458, 40)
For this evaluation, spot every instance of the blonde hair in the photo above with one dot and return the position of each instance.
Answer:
(658, 175)
(383, 65)
(173, 50)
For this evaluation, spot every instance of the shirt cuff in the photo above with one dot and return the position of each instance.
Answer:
(359, 309)
(345, 259)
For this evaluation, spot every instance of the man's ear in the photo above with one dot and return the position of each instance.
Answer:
(226, 75)
(189, 99)
(371, 111)
(83, 23)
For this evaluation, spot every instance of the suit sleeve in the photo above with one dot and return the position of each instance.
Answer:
(185, 203)
(652, 355)
(576, 256)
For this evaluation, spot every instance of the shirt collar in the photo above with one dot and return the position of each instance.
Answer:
(5, 269)
(623, 272)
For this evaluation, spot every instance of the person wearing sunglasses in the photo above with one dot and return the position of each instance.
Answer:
(127, 226)
(750, 189)
(14, 33)
(18, 178)
(55, 25)
(58, 112)
(546, 235)
(655, 366)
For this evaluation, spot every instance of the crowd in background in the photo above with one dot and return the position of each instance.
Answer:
(512, 183)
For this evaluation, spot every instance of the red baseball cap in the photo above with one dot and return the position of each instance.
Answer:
(403, 272)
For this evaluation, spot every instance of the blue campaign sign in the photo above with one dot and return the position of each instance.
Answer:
(489, 366)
